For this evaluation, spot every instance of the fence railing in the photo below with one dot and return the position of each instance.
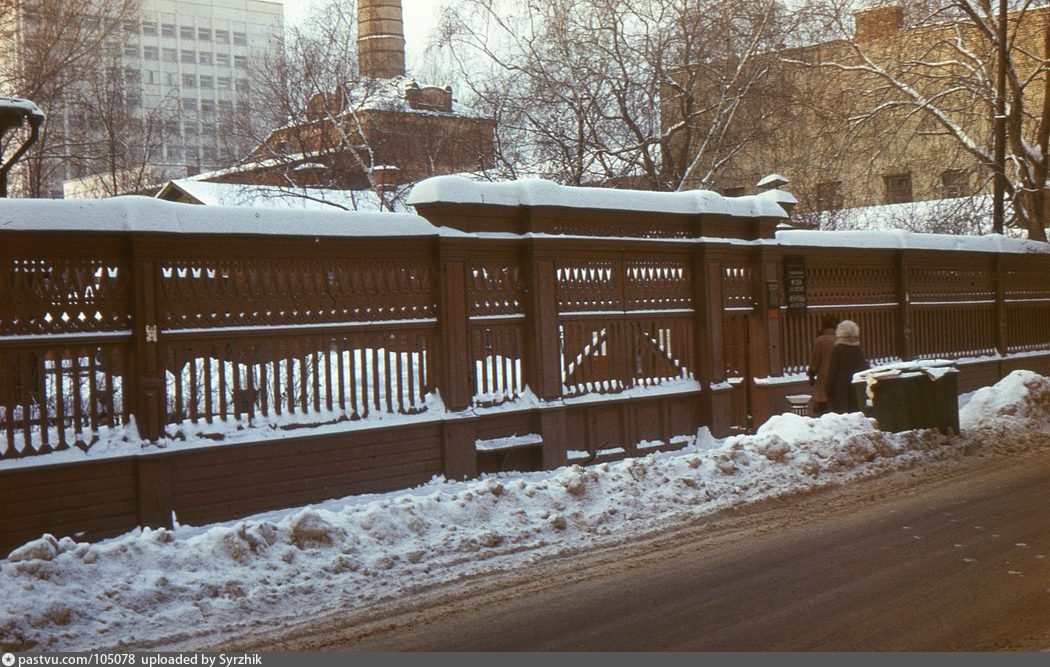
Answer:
(188, 333)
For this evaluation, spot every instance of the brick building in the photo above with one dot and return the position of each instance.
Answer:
(380, 131)
(844, 139)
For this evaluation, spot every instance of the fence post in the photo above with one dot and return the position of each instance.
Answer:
(543, 349)
(765, 353)
(149, 402)
(904, 341)
(454, 376)
(708, 339)
(453, 326)
(1001, 332)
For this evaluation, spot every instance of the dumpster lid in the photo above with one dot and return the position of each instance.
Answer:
(935, 369)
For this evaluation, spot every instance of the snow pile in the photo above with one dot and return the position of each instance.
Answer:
(1020, 401)
(161, 588)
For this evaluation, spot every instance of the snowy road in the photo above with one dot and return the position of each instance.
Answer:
(953, 557)
(807, 533)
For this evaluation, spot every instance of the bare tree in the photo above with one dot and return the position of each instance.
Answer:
(119, 138)
(308, 125)
(579, 86)
(933, 85)
(48, 47)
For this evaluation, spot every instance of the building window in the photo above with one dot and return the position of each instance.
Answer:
(149, 28)
(204, 57)
(898, 188)
(189, 57)
(953, 183)
(170, 55)
(131, 27)
(131, 50)
(189, 81)
(189, 104)
(734, 192)
(207, 81)
(186, 31)
(223, 83)
(240, 38)
(222, 36)
(167, 29)
(204, 34)
(207, 106)
(150, 53)
(171, 79)
(240, 62)
(222, 59)
(829, 196)
(225, 105)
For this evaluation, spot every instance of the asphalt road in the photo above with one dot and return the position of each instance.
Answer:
(956, 559)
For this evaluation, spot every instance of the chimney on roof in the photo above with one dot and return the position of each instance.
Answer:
(877, 23)
(380, 38)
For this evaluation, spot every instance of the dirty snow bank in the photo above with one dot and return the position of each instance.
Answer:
(161, 588)
(1021, 400)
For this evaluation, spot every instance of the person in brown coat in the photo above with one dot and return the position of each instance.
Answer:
(846, 359)
(818, 363)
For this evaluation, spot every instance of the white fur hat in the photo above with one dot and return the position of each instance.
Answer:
(847, 333)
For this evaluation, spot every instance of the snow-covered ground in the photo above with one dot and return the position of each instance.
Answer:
(157, 585)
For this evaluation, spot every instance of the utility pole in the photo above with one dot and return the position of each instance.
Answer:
(999, 186)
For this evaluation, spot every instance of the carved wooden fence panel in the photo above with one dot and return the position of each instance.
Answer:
(220, 334)
(65, 342)
(496, 312)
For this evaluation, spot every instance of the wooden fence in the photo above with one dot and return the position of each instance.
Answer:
(321, 361)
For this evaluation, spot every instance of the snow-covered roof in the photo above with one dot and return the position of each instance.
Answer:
(538, 192)
(915, 216)
(146, 214)
(864, 238)
(268, 196)
(25, 107)
(772, 181)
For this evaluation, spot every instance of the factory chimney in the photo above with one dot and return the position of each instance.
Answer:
(380, 38)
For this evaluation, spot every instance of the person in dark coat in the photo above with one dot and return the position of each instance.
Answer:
(819, 361)
(846, 359)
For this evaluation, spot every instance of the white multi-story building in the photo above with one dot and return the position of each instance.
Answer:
(196, 54)
(187, 62)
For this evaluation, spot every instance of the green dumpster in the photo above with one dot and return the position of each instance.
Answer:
(911, 395)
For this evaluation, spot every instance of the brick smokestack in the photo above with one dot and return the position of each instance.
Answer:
(877, 23)
(380, 38)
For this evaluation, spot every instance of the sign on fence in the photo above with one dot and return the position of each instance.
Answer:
(795, 281)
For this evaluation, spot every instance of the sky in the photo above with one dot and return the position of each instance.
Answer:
(194, 586)
(420, 18)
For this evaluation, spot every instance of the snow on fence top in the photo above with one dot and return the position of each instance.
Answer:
(538, 192)
(145, 214)
(908, 240)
